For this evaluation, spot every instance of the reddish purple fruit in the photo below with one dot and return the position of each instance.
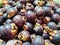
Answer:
(55, 18)
(8, 31)
(19, 20)
(31, 16)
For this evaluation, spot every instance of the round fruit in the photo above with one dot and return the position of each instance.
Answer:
(40, 12)
(8, 31)
(28, 26)
(55, 18)
(14, 42)
(48, 11)
(31, 16)
(52, 25)
(57, 11)
(24, 35)
(38, 40)
(19, 20)
(38, 29)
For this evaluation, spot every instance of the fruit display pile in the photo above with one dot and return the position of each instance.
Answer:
(29, 22)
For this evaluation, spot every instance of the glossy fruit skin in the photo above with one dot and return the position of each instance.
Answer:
(26, 43)
(56, 38)
(14, 42)
(40, 12)
(6, 7)
(24, 35)
(31, 16)
(30, 26)
(19, 20)
(38, 30)
(55, 18)
(2, 42)
(57, 11)
(47, 11)
(52, 25)
(3, 18)
(8, 31)
(8, 21)
(38, 40)
(19, 5)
